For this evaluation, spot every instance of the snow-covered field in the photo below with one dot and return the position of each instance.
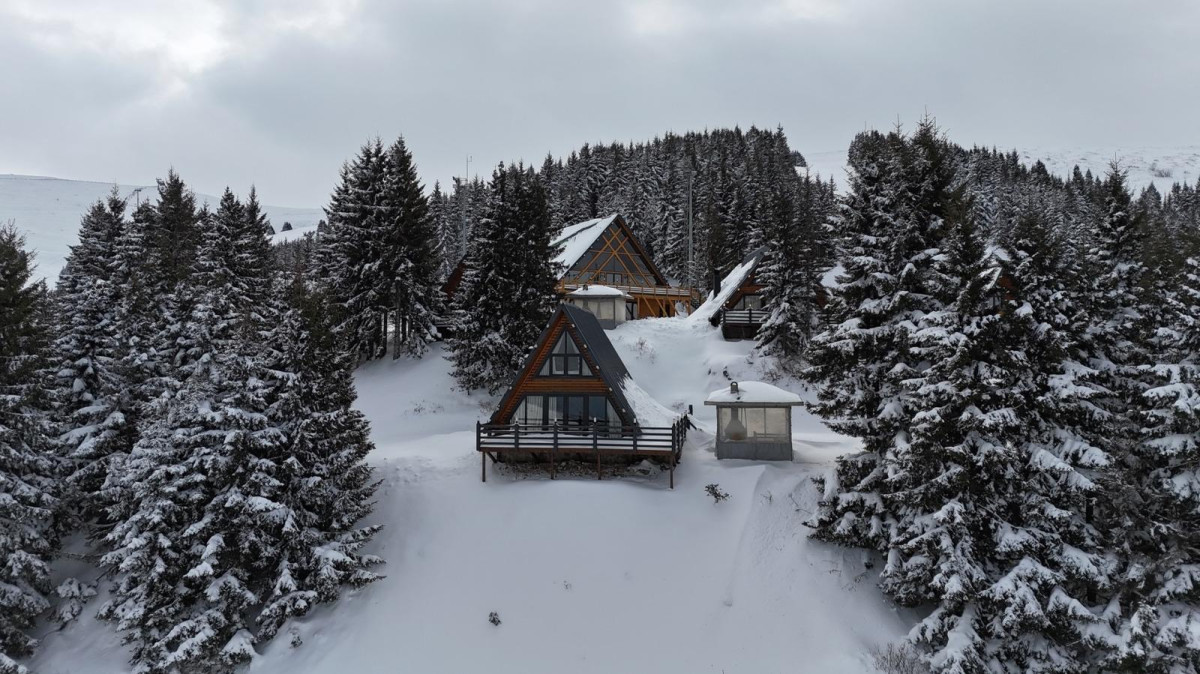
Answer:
(48, 210)
(619, 575)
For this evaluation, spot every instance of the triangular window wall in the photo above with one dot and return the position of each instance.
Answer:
(565, 360)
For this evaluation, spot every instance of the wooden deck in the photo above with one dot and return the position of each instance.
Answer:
(742, 323)
(557, 440)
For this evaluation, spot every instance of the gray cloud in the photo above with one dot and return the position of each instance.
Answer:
(280, 93)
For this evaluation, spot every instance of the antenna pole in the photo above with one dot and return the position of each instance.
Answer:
(691, 240)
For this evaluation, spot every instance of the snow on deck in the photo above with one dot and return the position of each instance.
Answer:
(591, 290)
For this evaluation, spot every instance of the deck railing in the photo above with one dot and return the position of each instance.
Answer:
(744, 316)
(555, 440)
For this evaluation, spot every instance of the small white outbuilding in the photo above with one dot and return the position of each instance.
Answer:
(754, 421)
(609, 305)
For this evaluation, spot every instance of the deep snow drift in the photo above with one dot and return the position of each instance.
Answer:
(620, 575)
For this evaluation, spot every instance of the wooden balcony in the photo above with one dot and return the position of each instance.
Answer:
(559, 442)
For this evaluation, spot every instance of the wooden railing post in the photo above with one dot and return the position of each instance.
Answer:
(516, 435)
(596, 448)
(553, 447)
(482, 454)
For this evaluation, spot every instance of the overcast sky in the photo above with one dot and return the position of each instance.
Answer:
(280, 92)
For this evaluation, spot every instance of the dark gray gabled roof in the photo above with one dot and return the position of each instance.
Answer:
(599, 349)
(612, 368)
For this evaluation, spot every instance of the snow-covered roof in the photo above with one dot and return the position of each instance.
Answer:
(732, 281)
(752, 392)
(591, 290)
(574, 240)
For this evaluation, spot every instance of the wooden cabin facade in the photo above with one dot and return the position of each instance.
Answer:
(605, 252)
(567, 403)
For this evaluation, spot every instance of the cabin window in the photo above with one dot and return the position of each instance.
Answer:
(564, 359)
(568, 410)
(754, 302)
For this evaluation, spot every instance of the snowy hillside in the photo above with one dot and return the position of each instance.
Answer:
(620, 575)
(1161, 166)
(48, 210)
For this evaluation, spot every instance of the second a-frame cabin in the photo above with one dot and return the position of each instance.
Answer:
(568, 403)
(604, 252)
(741, 313)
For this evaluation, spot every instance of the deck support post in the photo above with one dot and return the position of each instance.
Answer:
(553, 447)
(596, 448)
(483, 466)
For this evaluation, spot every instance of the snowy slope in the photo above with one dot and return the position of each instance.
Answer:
(623, 575)
(1161, 166)
(48, 210)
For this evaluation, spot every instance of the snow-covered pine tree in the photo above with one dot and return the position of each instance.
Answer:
(92, 412)
(182, 590)
(979, 490)
(860, 361)
(315, 486)
(351, 261)
(790, 276)
(509, 289)
(28, 468)
(410, 253)
(1164, 621)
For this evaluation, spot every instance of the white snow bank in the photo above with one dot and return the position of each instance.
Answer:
(754, 392)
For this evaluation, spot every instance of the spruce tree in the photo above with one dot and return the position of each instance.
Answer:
(314, 487)
(28, 468)
(509, 289)
(410, 254)
(92, 412)
(790, 277)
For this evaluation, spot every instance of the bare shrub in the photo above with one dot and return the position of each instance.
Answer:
(899, 658)
(714, 490)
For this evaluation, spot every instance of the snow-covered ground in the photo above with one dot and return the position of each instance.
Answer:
(1162, 166)
(48, 210)
(619, 575)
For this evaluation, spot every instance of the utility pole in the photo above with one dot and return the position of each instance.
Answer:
(691, 239)
(462, 227)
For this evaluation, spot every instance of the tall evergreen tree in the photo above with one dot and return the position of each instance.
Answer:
(92, 408)
(509, 289)
(410, 253)
(28, 469)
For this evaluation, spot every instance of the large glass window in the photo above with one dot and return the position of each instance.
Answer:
(753, 424)
(565, 360)
(568, 410)
(754, 302)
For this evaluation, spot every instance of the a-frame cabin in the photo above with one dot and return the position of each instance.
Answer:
(568, 403)
(573, 378)
(741, 312)
(604, 252)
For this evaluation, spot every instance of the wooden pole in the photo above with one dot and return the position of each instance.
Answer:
(553, 447)
(596, 449)
(482, 454)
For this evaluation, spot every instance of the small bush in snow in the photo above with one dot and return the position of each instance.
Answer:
(897, 659)
(714, 490)
(494, 618)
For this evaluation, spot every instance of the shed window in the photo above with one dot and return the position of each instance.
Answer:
(753, 424)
